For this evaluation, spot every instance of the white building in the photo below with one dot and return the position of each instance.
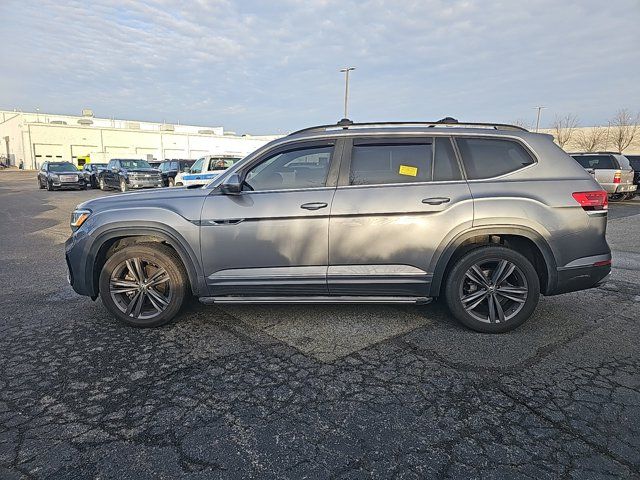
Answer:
(34, 138)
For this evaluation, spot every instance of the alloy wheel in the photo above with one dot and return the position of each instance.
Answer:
(140, 288)
(494, 291)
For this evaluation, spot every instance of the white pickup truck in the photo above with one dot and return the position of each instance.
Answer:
(204, 170)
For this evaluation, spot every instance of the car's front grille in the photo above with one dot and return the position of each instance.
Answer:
(68, 178)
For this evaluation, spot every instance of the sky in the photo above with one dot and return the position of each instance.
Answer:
(266, 67)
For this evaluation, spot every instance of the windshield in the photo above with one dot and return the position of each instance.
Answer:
(197, 167)
(128, 164)
(62, 167)
(97, 166)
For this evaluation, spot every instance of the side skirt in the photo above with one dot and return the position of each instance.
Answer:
(318, 299)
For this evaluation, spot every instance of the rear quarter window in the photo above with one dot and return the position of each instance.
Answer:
(492, 157)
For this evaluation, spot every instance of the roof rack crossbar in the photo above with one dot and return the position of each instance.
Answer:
(345, 126)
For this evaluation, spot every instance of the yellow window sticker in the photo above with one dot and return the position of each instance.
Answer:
(407, 170)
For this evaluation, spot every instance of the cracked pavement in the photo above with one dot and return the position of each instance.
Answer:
(307, 391)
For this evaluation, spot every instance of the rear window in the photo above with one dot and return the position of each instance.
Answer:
(597, 161)
(492, 157)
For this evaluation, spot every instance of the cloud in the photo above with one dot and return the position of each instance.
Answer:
(273, 66)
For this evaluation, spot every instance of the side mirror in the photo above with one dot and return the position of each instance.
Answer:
(232, 185)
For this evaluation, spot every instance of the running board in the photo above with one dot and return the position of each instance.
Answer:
(319, 299)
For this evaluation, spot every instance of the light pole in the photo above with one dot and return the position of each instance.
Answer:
(539, 107)
(346, 71)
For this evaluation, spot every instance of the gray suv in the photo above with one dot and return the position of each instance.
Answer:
(486, 216)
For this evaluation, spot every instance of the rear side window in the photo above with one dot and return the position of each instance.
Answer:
(492, 157)
(635, 163)
(412, 160)
(597, 161)
(380, 163)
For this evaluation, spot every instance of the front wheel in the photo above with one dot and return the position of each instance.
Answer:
(172, 182)
(143, 285)
(40, 185)
(49, 186)
(492, 289)
(123, 185)
(101, 184)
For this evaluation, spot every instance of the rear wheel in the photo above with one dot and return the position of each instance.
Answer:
(616, 197)
(492, 289)
(143, 285)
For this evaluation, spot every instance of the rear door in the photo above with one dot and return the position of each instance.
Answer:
(397, 199)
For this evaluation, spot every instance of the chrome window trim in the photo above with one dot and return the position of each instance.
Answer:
(335, 136)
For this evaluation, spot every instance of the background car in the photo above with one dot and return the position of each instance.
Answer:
(170, 168)
(204, 170)
(611, 170)
(58, 175)
(155, 164)
(90, 173)
(634, 161)
(123, 173)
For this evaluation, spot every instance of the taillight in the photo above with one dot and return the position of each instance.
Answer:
(616, 177)
(596, 200)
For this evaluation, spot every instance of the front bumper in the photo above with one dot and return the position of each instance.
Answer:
(76, 255)
(145, 182)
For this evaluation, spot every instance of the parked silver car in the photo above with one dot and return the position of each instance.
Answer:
(486, 216)
(611, 170)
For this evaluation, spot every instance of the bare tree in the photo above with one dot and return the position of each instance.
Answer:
(624, 129)
(591, 139)
(564, 128)
(519, 122)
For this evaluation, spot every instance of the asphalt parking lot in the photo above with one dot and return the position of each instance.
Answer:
(307, 391)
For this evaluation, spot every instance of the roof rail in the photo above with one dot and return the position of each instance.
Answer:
(597, 153)
(347, 124)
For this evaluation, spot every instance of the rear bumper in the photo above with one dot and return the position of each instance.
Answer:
(582, 277)
(619, 187)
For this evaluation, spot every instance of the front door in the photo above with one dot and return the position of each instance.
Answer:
(272, 238)
(397, 199)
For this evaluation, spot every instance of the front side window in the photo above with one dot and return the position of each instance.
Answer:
(292, 169)
(492, 157)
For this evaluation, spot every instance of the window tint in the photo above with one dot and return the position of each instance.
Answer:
(173, 166)
(373, 164)
(303, 168)
(445, 164)
(635, 162)
(596, 161)
(491, 157)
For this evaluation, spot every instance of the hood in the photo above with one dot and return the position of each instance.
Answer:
(161, 196)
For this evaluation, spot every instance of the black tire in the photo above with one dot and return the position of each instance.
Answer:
(49, 186)
(521, 285)
(616, 197)
(152, 258)
(123, 185)
(40, 185)
(171, 182)
(101, 184)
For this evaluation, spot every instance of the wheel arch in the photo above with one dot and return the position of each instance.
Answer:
(112, 240)
(522, 239)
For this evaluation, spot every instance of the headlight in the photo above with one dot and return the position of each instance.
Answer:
(78, 217)
(54, 176)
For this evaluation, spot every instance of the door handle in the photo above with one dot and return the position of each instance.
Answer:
(436, 200)
(313, 205)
